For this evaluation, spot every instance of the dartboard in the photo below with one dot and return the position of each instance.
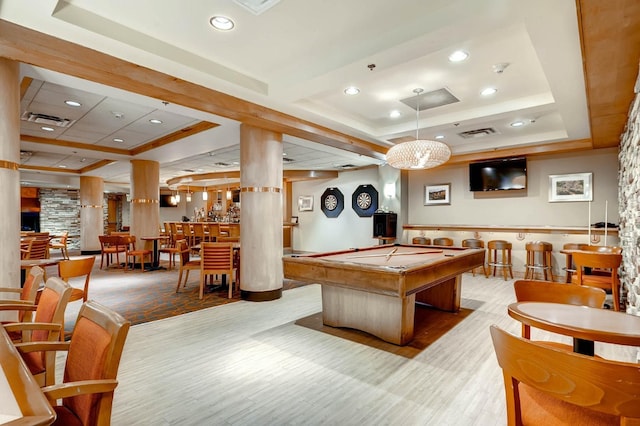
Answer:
(331, 202)
(364, 200)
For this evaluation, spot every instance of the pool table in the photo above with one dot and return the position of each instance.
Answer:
(375, 289)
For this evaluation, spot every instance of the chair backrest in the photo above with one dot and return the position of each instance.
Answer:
(234, 229)
(579, 384)
(94, 353)
(584, 259)
(601, 249)
(547, 291)
(51, 306)
(110, 241)
(30, 289)
(79, 267)
(442, 241)
(216, 258)
(214, 230)
(37, 249)
(183, 250)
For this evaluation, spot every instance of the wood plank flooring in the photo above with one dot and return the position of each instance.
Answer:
(260, 364)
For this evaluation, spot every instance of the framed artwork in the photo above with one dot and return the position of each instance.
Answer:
(364, 200)
(437, 195)
(570, 187)
(332, 202)
(305, 203)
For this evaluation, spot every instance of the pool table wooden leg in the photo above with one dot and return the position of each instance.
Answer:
(387, 317)
(444, 296)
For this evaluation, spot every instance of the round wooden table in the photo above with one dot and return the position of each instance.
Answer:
(584, 324)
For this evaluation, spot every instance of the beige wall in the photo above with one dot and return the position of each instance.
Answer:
(529, 207)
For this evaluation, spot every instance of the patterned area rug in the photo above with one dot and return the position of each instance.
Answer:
(149, 296)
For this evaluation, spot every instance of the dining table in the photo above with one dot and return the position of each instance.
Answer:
(22, 401)
(584, 324)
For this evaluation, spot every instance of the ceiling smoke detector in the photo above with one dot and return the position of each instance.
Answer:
(257, 6)
(499, 68)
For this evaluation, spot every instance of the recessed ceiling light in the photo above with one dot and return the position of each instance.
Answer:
(221, 23)
(118, 140)
(489, 91)
(351, 90)
(47, 129)
(439, 136)
(458, 56)
(155, 121)
(394, 114)
(73, 103)
(62, 166)
(517, 124)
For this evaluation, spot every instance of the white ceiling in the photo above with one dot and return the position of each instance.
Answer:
(297, 57)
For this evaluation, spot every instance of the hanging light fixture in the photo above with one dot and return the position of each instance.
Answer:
(205, 194)
(188, 197)
(177, 196)
(418, 154)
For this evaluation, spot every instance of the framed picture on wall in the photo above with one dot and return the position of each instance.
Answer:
(439, 194)
(305, 203)
(570, 187)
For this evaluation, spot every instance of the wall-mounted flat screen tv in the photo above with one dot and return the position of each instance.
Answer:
(165, 201)
(499, 174)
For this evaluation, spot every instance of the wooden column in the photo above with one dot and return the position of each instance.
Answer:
(145, 196)
(91, 213)
(9, 174)
(260, 214)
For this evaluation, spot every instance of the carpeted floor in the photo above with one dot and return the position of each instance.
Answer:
(149, 296)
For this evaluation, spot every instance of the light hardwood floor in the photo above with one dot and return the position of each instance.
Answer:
(251, 364)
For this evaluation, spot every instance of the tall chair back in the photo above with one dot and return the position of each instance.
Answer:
(600, 270)
(37, 249)
(28, 292)
(79, 267)
(216, 259)
(543, 385)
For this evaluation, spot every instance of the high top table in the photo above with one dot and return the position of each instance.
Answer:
(21, 399)
(583, 323)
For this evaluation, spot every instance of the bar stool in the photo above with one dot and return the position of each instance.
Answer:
(421, 240)
(475, 243)
(542, 251)
(504, 263)
(442, 241)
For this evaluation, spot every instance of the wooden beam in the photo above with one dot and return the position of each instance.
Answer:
(175, 136)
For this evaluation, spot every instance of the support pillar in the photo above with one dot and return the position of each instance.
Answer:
(145, 196)
(91, 213)
(260, 214)
(9, 173)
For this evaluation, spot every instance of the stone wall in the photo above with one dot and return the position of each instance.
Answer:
(60, 211)
(629, 206)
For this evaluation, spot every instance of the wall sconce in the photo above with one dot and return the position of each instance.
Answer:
(389, 190)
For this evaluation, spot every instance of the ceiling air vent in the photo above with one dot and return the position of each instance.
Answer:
(51, 120)
(257, 6)
(222, 164)
(347, 166)
(288, 160)
(428, 100)
(478, 133)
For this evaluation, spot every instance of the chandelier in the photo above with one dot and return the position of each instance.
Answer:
(418, 154)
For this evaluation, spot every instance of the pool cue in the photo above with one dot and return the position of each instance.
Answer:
(391, 253)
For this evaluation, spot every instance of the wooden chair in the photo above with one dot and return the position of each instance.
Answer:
(176, 234)
(216, 259)
(186, 264)
(588, 262)
(200, 234)
(37, 249)
(547, 291)
(538, 259)
(421, 241)
(502, 247)
(27, 293)
(234, 230)
(213, 230)
(79, 267)
(171, 249)
(91, 367)
(60, 242)
(131, 252)
(110, 245)
(46, 326)
(442, 241)
(547, 386)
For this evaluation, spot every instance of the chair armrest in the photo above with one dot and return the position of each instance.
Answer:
(18, 307)
(15, 302)
(22, 326)
(10, 290)
(82, 387)
(42, 346)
